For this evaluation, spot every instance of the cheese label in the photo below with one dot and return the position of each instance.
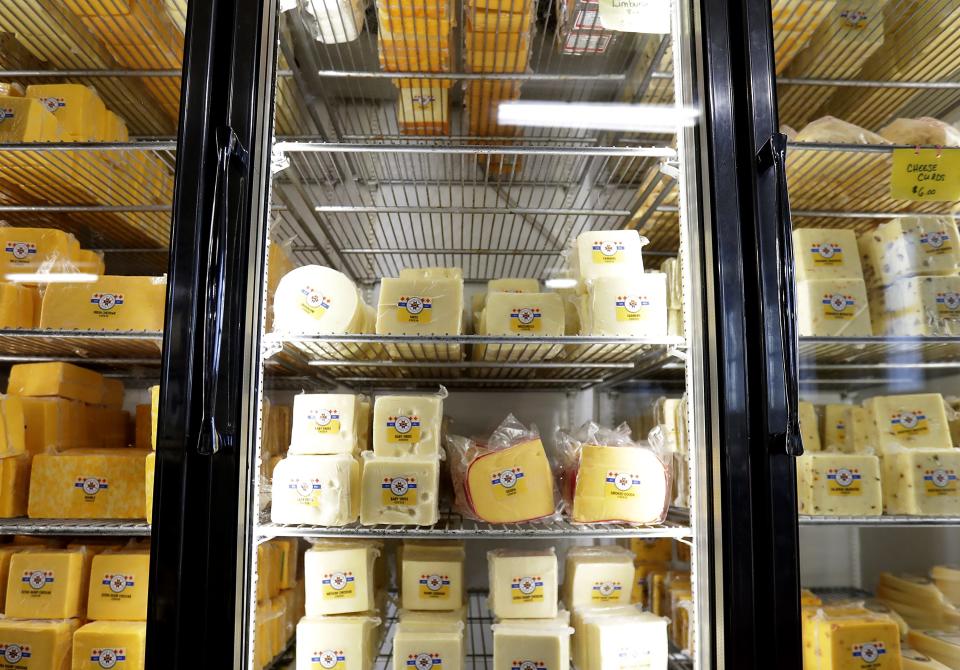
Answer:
(414, 309)
(925, 175)
(14, 654)
(91, 486)
(106, 303)
(314, 302)
(399, 491)
(526, 320)
(526, 590)
(633, 658)
(324, 421)
(53, 104)
(909, 423)
(620, 485)
(606, 591)
(403, 429)
(838, 306)
(606, 252)
(939, 482)
(844, 482)
(118, 586)
(424, 661)
(108, 657)
(868, 653)
(528, 665)
(328, 659)
(853, 18)
(435, 587)
(307, 491)
(20, 252)
(936, 242)
(826, 255)
(36, 583)
(7, 113)
(338, 586)
(631, 307)
(508, 483)
(948, 302)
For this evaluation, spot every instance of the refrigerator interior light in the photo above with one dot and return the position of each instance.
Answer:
(560, 282)
(596, 115)
(52, 277)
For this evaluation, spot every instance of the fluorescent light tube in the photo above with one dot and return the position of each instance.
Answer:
(596, 116)
(52, 277)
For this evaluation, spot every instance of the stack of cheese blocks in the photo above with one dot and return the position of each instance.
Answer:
(903, 441)
(660, 587)
(672, 268)
(912, 267)
(670, 415)
(277, 421)
(422, 301)
(615, 297)
(344, 606)
(317, 300)
(280, 598)
(50, 592)
(847, 634)
(516, 307)
(831, 292)
(431, 626)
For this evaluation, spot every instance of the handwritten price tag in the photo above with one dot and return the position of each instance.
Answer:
(927, 175)
(636, 16)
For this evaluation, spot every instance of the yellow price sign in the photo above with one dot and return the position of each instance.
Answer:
(925, 175)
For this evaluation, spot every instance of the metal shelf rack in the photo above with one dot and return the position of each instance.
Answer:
(887, 521)
(842, 360)
(111, 351)
(74, 527)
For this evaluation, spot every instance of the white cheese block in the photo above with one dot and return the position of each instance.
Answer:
(860, 431)
(523, 584)
(809, 426)
(826, 253)
(634, 641)
(514, 285)
(407, 424)
(598, 576)
(399, 490)
(431, 578)
(339, 577)
(609, 253)
(520, 315)
(835, 425)
(317, 300)
(833, 308)
(425, 646)
(627, 307)
(325, 423)
(316, 490)
(527, 647)
(579, 641)
(432, 306)
(922, 482)
(923, 306)
(913, 245)
(339, 642)
(834, 484)
(432, 273)
(910, 421)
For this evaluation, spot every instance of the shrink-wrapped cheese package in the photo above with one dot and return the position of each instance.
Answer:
(597, 576)
(402, 490)
(608, 253)
(525, 646)
(46, 584)
(623, 639)
(326, 423)
(833, 308)
(850, 638)
(523, 584)
(909, 246)
(922, 306)
(109, 644)
(836, 484)
(860, 432)
(407, 424)
(340, 642)
(316, 490)
(826, 253)
(633, 305)
(435, 645)
(317, 300)
(109, 303)
(77, 108)
(809, 426)
(36, 643)
(831, 130)
(924, 482)
(17, 305)
(921, 131)
(36, 251)
(119, 583)
(431, 578)
(339, 577)
(510, 314)
(908, 421)
(431, 306)
(834, 425)
(27, 120)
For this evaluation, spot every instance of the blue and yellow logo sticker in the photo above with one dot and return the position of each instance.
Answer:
(527, 589)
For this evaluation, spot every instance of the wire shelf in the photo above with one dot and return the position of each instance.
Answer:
(885, 521)
(879, 352)
(78, 527)
(106, 350)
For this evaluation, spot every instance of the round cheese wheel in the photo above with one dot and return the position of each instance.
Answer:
(317, 300)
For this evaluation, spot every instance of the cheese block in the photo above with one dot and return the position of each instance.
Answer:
(597, 576)
(523, 584)
(520, 315)
(325, 423)
(942, 646)
(113, 393)
(431, 578)
(431, 306)
(17, 305)
(36, 645)
(652, 550)
(14, 485)
(45, 584)
(947, 578)
(433, 616)
(340, 642)
(514, 285)
(914, 660)
(833, 308)
(37, 250)
(629, 484)
(424, 110)
(400, 490)
(635, 640)
(150, 464)
(363, 422)
(316, 300)
(910, 421)
(626, 306)
(860, 431)
(54, 424)
(316, 490)
(142, 427)
(108, 427)
(531, 647)
(339, 577)
(154, 414)
(12, 426)
(834, 425)
(24, 120)
(114, 302)
(108, 644)
(407, 424)
(88, 484)
(61, 380)
(853, 641)
(582, 630)
(809, 426)
(826, 253)
(431, 273)
(922, 482)
(835, 484)
(424, 646)
(78, 109)
(89, 262)
(289, 560)
(512, 484)
(119, 583)
(6, 553)
(809, 598)
(609, 253)
(923, 306)
(913, 245)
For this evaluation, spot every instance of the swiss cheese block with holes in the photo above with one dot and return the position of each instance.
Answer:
(431, 578)
(110, 644)
(918, 420)
(62, 380)
(512, 484)
(78, 109)
(523, 584)
(833, 308)
(400, 490)
(630, 306)
(316, 490)
(119, 583)
(407, 424)
(420, 646)
(835, 484)
(36, 645)
(27, 120)
(325, 423)
(54, 424)
(826, 253)
(88, 484)
(597, 576)
(339, 577)
(112, 302)
(525, 647)
(46, 584)
(318, 300)
(834, 425)
(609, 253)
(809, 426)
(340, 642)
(629, 484)
(913, 245)
(923, 482)
(17, 305)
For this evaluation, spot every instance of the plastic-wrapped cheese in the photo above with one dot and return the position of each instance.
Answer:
(523, 584)
(912, 245)
(609, 253)
(835, 484)
(318, 490)
(340, 642)
(923, 306)
(921, 131)
(860, 431)
(597, 576)
(400, 490)
(36, 250)
(514, 285)
(339, 577)
(78, 109)
(520, 315)
(432, 273)
(511, 484)
(27, 120)
(325, 423)
(636, 640)
(431, 578)
(826, 253)
(407, 424)
(832, 130)
(833, 308)
(855, 640)
(46, 584)
(38, 644)
(628, 484)
(18, 304)
(633, 306)
(910, 421)
(317, 300)
(922, 482)
(524, 647)
(834, 425)
(809, 426)
(430, 306)
(422, 646)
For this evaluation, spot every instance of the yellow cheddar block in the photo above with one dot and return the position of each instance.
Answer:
(17, 305)
(12, 426)
(61, 380)
(114, 128)
(108, 427)
(154, 414)
(14, 485)
(143, 432)
(512, 484)
(6, 553)
(149, 468)
(112, 302)
(108, 644)
(54, 424)
(45, 584)
(88, 484)
(36, 250)
(89, 262)
(118, 586)
(77, 108)
(652, 550)
(27, 120)
(597, 577)
(523, 584)
(36, 645)
(113, 392)
(808, 598)
(627, 484)
(431, 578)
(424, 110)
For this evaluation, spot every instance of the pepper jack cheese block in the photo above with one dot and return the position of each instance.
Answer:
(914, 660)
(325, 423)
(399, 490)
(835, 484)
(620, 484)
(424, 646)
(46, 584)
(609, 253)
(833, 308)
(512, 484)
(834, 425)
(27, 120)
(520, 315)
(860, 431)
(61, 380)
(635, 640)
(826, 253)
(809, 426)
(88, 484)
(942, 646)
(78, 109)
(597, 576)
(532, 647)
(922, 482)
(339, 642)
(17, 305)
(432, 306)
(913, 245)
(407, 424)
(431, 578)
(119, 586)
(36, 645)
(317, 300)
(316, 490)
(523, 584)
(109, 644)
(112, 302)
(910, 421)
(150, 464)
(339, 577)
(625, 306)
(14, 485)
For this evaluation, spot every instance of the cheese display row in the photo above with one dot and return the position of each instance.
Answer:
(923, 131)
(280, 595)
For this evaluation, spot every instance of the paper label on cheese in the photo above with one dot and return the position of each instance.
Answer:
(425, 660)
(20, 253)
(528, 665)
(435, 587)
(844, 482)
(926, 175)
(307, 491)
(909, 423)
(839, 307)
(15, 656)
(324, 421)
(338, 586)
(314, 302)
(508, 483)
(37, 583)
(91, 486)
(606, 252)
(939, 482)
(632, 307)
(826, 255)
(526, 320)
(399, 491)
(620, 485)
(328, 659)
(118, 586)
(868, 653)
(414, 309)
(606, 591)
(631, 657)
(403, 429)
(936, 242)
(948, 303)
(526, 590)
(108, 657)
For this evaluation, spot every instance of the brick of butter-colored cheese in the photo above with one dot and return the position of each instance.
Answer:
(943, 646)
(36, 645)
(88, 484)
(912, 245)
(113, 393)
(36, 250)
(809, 426)
(834, 425)
(14, 485)
(27, 120)
(914, 660)
(520, 315)
(339, 577)
(402, 490)
(423, 646)
(910, 421)
(514, 285)
(634, 305)
(61, 380)
(833, 308)
(523, 584)
(46, 584)
(17, 305)
(922, 482)
(421, 307)
(154, 414)
(857, 641)
(112, 302)
(620, 484)
(77, 108)
(407, 424)
(526, 647)
(89, 262)
(150, 465)
(836, 484)
(12, 426)
(108, 644)
(325, 423)
(608, 253)
(109, 427)
(431, 578)
(119, 583)
(142, 428)
(340, 642)
(6, 553)
(316, 490)
(597, 576)
(826, 253)
(624, 640)
(861, 433)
